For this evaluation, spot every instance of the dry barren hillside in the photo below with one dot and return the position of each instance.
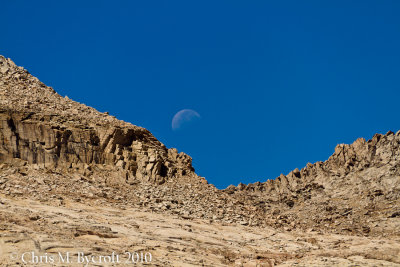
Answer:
(78, 187)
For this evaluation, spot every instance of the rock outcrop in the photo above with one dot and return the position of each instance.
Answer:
(382, 151)
(38, 126)
(357, 187)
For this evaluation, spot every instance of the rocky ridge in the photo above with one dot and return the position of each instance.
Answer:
(357, 190)
(62, 154)
(40, 127)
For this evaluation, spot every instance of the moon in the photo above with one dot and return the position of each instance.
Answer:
(183, 117)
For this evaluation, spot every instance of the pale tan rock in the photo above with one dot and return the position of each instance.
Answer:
(73, 178)
(58, 133)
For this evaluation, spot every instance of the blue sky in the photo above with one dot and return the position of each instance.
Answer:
(277, 83)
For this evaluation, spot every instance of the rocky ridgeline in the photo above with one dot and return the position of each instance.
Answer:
(357, 190)
(379, 152)
(41, 128)
(53, 148)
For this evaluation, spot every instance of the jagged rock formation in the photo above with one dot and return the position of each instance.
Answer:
(64, 165)
(380, 151)
(40, 127)
(357, 190)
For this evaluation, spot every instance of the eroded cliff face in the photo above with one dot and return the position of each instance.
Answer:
(41, 128)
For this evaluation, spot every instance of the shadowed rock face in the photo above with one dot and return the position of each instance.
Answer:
(40, 127)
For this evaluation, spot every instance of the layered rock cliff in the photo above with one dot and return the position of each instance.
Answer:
(40, 127)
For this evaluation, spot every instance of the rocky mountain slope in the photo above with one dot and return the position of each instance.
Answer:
(40, 127)
(114, 187)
